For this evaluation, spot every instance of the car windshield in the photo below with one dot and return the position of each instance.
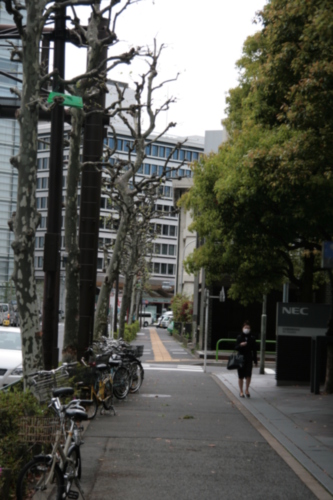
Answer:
(10, 340)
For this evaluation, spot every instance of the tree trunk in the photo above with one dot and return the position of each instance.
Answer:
(111, 275)
(133, 301)
(26, 219)
(71, 242)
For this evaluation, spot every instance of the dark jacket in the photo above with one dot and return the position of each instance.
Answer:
(250, 350)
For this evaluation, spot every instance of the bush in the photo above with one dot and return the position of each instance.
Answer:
(13, 453)
(182, 308)
(130, 331)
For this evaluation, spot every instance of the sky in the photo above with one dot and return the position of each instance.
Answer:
(203, 41)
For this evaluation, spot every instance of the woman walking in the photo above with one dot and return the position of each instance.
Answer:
(246, 345)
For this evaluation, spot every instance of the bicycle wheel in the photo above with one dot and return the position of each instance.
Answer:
(37, 481)
(108, 395)
(91, 409)
(121, 382)
(72, 469)
(136, 376)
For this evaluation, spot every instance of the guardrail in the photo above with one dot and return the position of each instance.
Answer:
(234, 340)
(8, 387)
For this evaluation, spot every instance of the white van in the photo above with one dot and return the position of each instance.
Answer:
(147, 318)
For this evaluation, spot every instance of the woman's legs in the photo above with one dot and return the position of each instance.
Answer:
(247, 385)
(240, 383)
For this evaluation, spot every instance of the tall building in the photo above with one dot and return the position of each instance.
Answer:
(163, 261)
(9, 143)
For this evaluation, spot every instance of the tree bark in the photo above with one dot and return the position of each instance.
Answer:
(71, 241)
(26, 219)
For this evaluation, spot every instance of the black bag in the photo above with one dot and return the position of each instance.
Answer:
(235, 361)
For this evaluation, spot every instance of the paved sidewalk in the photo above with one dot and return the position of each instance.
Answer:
(299, 420)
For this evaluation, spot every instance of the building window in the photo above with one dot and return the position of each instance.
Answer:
(173, 231)
(170, 269)
(156, 268)
(161, 152)
(165, 230)
(164, 249)
(175, 154)
(154, 150)
(153, 169)
(172, 249)
(146, 169)
(157, 248)
(163, 268)
(182, 155)
(188, 155)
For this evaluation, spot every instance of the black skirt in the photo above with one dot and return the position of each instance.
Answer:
(246, 371)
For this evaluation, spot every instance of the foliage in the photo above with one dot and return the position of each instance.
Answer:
(182, 308)
(258, 202)
(13, 453)
(130, 331)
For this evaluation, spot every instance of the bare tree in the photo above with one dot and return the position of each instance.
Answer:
(122, 173)
(90, 84)
(30, 18)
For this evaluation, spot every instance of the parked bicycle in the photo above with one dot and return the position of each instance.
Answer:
(52, 475)
(129, 355)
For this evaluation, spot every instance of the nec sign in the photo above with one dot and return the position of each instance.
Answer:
(302, 319)
(304, 311)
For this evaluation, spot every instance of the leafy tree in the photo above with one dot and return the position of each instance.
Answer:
(264, 202)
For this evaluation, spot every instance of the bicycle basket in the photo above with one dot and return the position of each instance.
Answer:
(103, 358)
(135, 350)
(39, 430)
(88, 376)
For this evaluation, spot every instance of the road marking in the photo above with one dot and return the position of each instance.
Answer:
(155, 395)
(160, 352)
(180, 368)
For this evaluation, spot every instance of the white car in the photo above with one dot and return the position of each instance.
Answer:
(10, 355)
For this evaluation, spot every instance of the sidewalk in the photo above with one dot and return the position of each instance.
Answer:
(288, 420)
(299, 420)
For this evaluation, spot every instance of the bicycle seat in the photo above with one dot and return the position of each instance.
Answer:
(76, 414)
(62, 391)
(101, 366)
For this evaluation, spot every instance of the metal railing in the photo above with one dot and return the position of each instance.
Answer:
(234, 341)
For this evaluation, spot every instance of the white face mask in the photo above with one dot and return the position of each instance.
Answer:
(246, 330)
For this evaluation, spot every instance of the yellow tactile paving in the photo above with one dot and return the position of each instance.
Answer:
(160, 352)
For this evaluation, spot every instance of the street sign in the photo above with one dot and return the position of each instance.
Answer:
(72, 101)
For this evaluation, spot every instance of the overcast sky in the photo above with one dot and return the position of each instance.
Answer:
(203, 41)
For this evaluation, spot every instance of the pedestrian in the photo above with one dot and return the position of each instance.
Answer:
(246, 345)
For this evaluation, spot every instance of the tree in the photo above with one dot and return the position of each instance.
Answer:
(261, 208)
(30, 19)
(86, 86)
(122, 173)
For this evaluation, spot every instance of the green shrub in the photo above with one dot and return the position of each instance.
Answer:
(14, 454)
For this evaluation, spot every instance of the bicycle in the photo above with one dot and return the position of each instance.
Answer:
(52, 475)
(129, 355)
(103, 381)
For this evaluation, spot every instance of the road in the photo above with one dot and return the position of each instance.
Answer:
(181, 437)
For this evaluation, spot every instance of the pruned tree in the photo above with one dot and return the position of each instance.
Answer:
(122, 172)
(30, 19)
(87, 86)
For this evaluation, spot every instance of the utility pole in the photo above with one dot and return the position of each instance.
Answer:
(51, 265)
(263, 335)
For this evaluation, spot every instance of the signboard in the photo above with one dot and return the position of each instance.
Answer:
(302, 320)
